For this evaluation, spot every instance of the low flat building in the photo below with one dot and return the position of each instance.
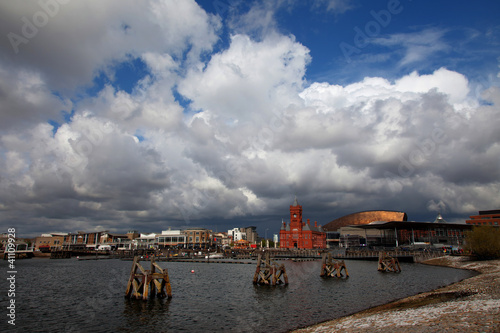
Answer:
(485, 217)
(115, 241)
(409, 233)
(145, 241)
(82, 240)
(171, 239)
(339, 232)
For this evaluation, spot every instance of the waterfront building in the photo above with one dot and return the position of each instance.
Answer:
(82, 240)
(116, 241)
(221, 239)
(4, 240)
(300, 235)
(236, 234)
(49, 242)
(411, 234)
(133, 234)
(336, 228)
(171, 238)
(485, 217)
(251, 234)
(145, 241)
(198, 238)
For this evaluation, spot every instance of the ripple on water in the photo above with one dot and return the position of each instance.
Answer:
(68, 295)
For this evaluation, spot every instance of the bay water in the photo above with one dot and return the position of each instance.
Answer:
(68, 295)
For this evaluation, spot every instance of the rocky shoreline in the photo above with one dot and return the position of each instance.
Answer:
(471, 305)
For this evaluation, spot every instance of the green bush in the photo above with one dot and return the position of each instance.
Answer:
(484, 242)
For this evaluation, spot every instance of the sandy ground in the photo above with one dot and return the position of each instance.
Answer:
(472, 305)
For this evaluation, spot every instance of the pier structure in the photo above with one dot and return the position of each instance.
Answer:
(387, 263)
(145, 282)
(17, 250)
(332, 268)
(269, 272)
(18, 254)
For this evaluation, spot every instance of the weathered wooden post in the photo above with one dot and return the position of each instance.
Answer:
(387, 263)
(268, 273)
(139, 283)
(257, 270)
(331, 267)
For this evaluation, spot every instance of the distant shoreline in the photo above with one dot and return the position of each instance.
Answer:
(472, 304)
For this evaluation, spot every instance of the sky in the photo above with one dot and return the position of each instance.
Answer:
(148, 115)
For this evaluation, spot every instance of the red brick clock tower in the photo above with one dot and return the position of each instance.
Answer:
(296, 216)
(300, 235)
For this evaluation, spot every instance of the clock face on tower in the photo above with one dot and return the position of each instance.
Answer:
(294, 215)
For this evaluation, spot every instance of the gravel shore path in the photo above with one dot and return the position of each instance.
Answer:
(471, 305)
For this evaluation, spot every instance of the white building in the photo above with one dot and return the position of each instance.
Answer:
(145, 241)
(236, 234)
(171, 238)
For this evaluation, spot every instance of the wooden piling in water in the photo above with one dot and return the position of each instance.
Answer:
(331, 267)
(140, 283)
(387, 263)
(269, 272)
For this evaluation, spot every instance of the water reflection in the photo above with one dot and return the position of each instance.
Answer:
(153, 313)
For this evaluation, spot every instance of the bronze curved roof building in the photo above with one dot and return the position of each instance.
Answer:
(365, 218)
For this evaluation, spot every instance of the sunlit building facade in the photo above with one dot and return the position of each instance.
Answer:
(301, 235)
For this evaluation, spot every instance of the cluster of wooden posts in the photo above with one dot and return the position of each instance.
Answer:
(143, 283)
(332, 268)
(387, 263)
(269, 272)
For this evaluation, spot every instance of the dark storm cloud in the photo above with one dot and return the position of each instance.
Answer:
(224, 141)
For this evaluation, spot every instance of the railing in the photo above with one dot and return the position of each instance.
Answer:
(416, 256)
(411, 256)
